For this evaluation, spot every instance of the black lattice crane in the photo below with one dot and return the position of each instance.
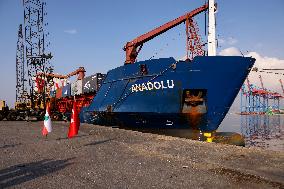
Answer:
(21, 81)
(37, 55)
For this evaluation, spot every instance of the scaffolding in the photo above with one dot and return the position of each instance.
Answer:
(32, 54)
(261, 130)
(21, 82)
(257, 100)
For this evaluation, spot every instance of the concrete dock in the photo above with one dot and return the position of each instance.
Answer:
(104, 157)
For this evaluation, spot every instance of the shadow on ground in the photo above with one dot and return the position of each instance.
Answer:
(77, 136)
(9, 146)
(21, 173)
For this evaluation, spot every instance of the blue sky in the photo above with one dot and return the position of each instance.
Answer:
(91, 33)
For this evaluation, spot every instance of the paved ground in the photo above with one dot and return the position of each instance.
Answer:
(101, 157)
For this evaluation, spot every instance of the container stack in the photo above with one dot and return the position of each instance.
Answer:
(76, 88)
(92, 83)
(66, 90)
(88, 85)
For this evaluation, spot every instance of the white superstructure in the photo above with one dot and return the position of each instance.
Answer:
(211, 30)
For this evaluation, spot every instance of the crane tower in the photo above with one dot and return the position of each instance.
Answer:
(32, 53)
(21, 88)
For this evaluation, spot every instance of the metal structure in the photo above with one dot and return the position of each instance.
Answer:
(254, 100)
(36, 46)
(194, 45)
(80, 72)
(261, 130)
(168, 93)
(281, 86)
(133, 47)
(211, 29)
(259, 100)
(21, 85)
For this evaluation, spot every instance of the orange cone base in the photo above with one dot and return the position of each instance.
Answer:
(73, 130)
(75, 122)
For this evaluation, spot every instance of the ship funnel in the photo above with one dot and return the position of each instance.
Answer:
(211, 29)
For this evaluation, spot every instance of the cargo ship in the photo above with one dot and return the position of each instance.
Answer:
(195, 93)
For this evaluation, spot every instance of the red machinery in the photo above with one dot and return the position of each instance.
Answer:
(281, 86)
(261, 82)
(41, 77)
(133, 47)
(64, 105)
(262, 91)
(80, 72)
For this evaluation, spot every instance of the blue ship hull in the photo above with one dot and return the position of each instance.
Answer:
(165, 93)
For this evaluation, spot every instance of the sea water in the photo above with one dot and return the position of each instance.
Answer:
(264, 131)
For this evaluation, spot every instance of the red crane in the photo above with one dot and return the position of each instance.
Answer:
(80, 72)
(40, 77)
(248, 84)
(261, 82)
(281, 85)
(133, 47)
(263, 91)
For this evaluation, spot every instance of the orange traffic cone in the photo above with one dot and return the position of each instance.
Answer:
(75, 122)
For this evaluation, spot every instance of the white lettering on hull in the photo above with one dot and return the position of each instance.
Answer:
(157, 85)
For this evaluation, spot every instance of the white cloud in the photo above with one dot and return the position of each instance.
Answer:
(71, 31)
(270, 80)
(231, 51)
(264, 62)
(227, 41)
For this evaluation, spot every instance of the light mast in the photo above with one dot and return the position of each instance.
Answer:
(211, 30)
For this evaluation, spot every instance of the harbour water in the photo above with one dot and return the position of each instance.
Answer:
(264, 131)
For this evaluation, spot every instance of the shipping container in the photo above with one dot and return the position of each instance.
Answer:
(53, 93)
(76, 88)
(101, 78)
(92, 83)
(66, 90)
(58, 92)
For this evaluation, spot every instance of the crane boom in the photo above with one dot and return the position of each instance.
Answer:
(53, 75)
(80, 72)
(281, 85)
(133, 47)
(261, 82)
(248, 84)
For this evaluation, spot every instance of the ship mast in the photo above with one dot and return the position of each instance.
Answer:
(211, 30)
